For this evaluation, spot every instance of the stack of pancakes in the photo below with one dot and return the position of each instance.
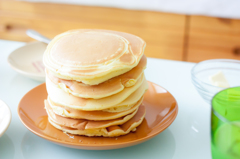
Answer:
(95, 82)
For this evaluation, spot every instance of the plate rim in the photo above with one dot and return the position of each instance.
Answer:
(81, 145)
(9, 119)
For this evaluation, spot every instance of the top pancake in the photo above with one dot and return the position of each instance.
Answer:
(92, 56)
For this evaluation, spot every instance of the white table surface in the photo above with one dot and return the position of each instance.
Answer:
(187, 138)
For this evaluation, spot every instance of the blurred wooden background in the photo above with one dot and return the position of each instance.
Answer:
(168, 36)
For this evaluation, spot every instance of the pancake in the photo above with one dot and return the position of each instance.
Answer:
(92, 56)
(107, 88)
(111, 131)
(58, 96)
(82, 124)
(89, 115)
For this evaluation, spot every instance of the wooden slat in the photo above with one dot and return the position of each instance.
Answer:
(211, 38)
(163, 32)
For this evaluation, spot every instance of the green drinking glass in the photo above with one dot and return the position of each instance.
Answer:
(225, 124)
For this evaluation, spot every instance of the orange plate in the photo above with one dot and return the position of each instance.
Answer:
(161, 110)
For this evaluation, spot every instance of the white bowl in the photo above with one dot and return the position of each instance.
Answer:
(203, 70)
(5, 117)
(27, 60)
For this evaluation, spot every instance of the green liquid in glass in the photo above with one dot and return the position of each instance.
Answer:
(225, 124)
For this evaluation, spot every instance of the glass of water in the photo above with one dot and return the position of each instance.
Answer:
(225, 124)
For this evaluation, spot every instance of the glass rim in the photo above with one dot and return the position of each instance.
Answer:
(219, 115)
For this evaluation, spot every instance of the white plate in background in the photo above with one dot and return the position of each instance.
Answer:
(27, 60)
(5, 117)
